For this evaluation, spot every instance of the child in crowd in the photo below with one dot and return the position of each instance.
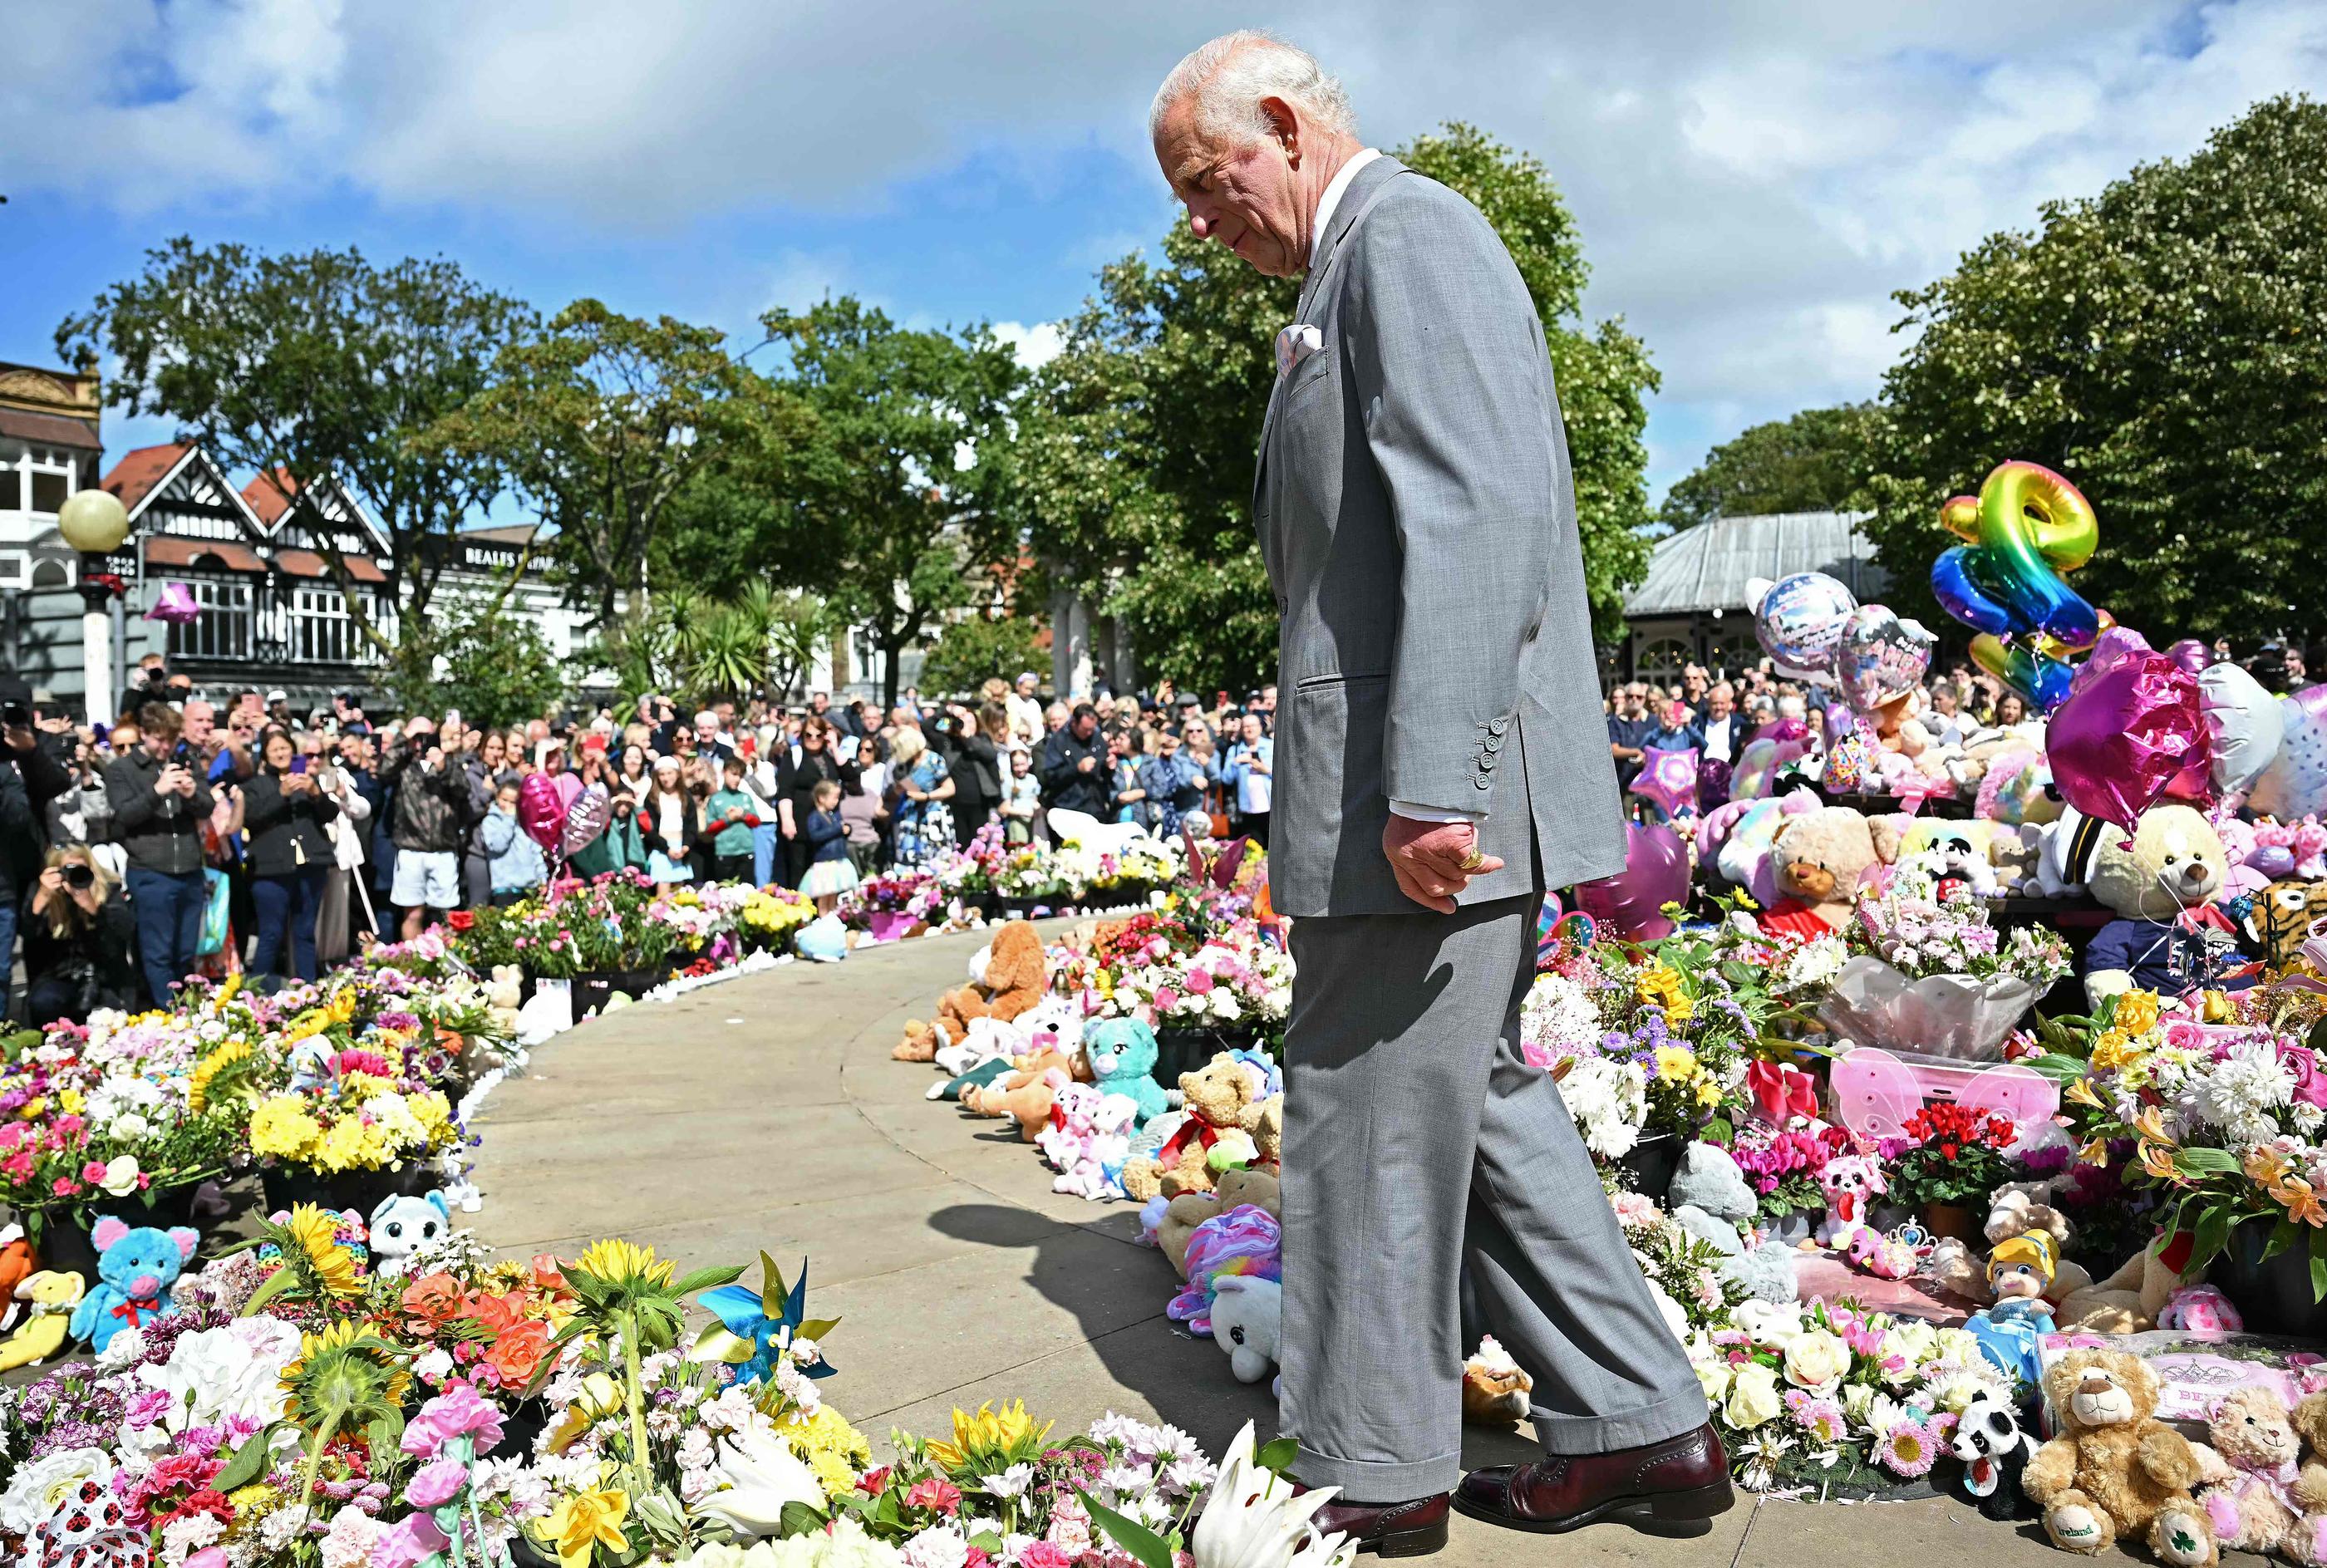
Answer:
(830, 872)
(1021, 797)
(862, 808)
(517, 868)
(730, 815)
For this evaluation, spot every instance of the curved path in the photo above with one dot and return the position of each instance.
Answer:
(765, 1114)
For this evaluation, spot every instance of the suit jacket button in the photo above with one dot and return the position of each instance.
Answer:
(1494, 744)
(1281, 606)
(1483, 781)
(1498, 726)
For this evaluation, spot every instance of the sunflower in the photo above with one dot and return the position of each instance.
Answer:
(625, 1263)
(992, 1440)
(341, 1369)
(316, 1236)
(207, 1070)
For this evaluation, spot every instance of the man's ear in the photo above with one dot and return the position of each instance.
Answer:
(1284, 124)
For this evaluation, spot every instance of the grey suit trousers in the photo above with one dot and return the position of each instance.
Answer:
(1417, 1141)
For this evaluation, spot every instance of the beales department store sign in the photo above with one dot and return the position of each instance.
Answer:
(471, 554)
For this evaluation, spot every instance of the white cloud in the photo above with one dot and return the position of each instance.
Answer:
(1751, 181)
(1035, 346)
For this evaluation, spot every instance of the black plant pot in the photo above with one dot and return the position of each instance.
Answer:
(361, 1190)
(2273, 1296)
(1649, 1168)
(1179, 1050)
(65, 1246)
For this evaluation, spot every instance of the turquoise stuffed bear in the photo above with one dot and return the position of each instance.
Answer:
(135, 1268)
(1122, 1056)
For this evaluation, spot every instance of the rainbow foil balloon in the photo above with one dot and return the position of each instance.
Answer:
(2025, 527)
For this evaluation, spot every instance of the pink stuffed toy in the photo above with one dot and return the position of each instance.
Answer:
(2310, 850)
(2273, 854)
(1851, 1183)
(1243, 1241)
(1095, 1173)
(1062, 1142)
(1886, 1257)
(2201, 1310)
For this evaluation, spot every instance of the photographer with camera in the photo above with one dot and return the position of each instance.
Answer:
(432, 817)
(30, 778)
(159, 801)
(290, 851)
(79, 933)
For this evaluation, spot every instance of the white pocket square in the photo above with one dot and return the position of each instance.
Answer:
(1296, 343)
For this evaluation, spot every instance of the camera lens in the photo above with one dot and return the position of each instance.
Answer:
(78, 876)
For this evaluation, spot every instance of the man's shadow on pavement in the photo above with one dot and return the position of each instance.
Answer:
(1118, 1292)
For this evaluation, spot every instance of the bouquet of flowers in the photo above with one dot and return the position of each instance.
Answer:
(1820, 1394)
(1783, 1166)
(1949, 1155)
(1684, 1272)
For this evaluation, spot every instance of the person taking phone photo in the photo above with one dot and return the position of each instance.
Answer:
(159, 801)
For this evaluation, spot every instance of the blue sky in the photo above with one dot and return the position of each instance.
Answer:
(1751, 181)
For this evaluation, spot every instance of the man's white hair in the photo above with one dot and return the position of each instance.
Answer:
(1230, 76)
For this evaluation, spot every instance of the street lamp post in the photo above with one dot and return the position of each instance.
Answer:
(94, 523)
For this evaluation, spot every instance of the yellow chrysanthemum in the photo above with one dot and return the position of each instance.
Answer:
(2136, 1011)
(281, 1128)
(1675, 1064)
(433, 1111)
(834, 1450)
(252, 1504)
(316, 1233)
(349, 1145)
(619, 1260)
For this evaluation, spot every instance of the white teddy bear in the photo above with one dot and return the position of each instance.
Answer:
(1248, 1316)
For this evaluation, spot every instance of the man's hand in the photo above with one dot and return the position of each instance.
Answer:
(1087, 764)
(20, 737)
(1429, 859)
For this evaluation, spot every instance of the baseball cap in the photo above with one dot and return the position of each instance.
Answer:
(278, 695)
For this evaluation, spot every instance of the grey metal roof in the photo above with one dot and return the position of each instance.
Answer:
(1706, 567)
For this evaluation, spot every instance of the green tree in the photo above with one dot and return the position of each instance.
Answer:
(1810, 462)
(699, 647)
(1133, 465)
(897, 486)
(599, 422)
(304, 367)
(2159, 344)
(475, 657)
(970, 651)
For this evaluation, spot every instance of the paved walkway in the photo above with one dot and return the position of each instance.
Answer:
(765, 1112)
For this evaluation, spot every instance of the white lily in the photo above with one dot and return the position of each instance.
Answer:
(1252, 1519)
(757, 1474)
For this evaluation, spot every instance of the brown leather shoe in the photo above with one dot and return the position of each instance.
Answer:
(1671, 1488)
(1414, 1529)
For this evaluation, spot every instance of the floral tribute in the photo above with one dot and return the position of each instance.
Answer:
(620, 923)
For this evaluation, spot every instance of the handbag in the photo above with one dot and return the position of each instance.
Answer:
(216, 913)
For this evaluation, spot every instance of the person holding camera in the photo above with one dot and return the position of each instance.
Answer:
(159, 802)
(432, 816)
(30, 780)
(290, 850)
(79, 934)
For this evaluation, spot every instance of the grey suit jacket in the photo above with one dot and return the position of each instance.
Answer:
(1418, 519)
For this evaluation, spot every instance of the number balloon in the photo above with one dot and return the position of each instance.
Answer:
(2026, 527)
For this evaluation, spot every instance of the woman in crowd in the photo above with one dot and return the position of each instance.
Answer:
(830, 871)
(1672, 732)
(1196, 737)
(667, 825)
(79, 938)
(1124, 787)
(290, 850)
(517, 867)
(817, 764)
(484, 762)
(978, 767)
(766, 770)
(872, 773)
(2011, 709)
(920, 788)
(633, 774)
(343, 882)
(1174, 784)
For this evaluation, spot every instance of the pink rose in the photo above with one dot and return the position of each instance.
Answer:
(2309, 1086)
(93, 1172)
(1042, 1555)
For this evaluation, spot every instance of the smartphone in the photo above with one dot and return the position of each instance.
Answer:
(182, 754)
(298, 764)
(17, 714)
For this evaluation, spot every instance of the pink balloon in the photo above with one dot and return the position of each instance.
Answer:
(2132, 727)
(1656, 874)
(569, 788)
(585, 819)
(175, 605)
(2192, 654)
(539, 812)
(1669, 779)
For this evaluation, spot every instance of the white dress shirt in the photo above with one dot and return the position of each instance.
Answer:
(1334, 190)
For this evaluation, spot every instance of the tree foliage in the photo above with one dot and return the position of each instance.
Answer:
(1134, 466)
(2160, 345)
(1809, 462)
(969, 650)
(475, 657)
(699, 646)
(302, 367)
(895, 513)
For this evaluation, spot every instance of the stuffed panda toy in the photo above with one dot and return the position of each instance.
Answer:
(403, 1225)
(1994, 1451)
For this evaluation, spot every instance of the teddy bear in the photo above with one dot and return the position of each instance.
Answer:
(1121, 1054)
(401, 1225)
(2309, 1492)
(47, 1300)
(1072, 1111)
(1247, 1323)
(992, 1099)
(1030, 1103)
(1851, 1183)
(2252, 1467)
(1995, 1452)
(2168, 937)
(2115, 1469)
(1496, 1390)
(1820, 858)
(1180, 1216)
(135, 1268)
(1215, 1097)
(1093, 1170)
(504, 996)
(1710, 1197)
(1007, 977)
(2129, 1301)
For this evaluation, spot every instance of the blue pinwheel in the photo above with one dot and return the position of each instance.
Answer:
(756, 1328)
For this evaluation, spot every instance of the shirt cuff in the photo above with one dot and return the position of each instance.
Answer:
(1408, 808)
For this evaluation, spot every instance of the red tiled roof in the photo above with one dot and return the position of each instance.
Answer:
(163, 550)
(132, 479)
(50, 429)
(266, 499)
(308, 564)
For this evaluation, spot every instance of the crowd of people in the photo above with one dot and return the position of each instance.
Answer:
(206, 834)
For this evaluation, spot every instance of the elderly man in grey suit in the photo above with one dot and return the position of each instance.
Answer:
(1440, 762)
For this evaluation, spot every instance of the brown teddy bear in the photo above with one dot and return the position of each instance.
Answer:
(1496, 1391)
(1820, 858)
(2128, 1301)
(2251, 1472)
(1007, 977)
(2115, 1469)
(1215, 1097)
(1231, 1189)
